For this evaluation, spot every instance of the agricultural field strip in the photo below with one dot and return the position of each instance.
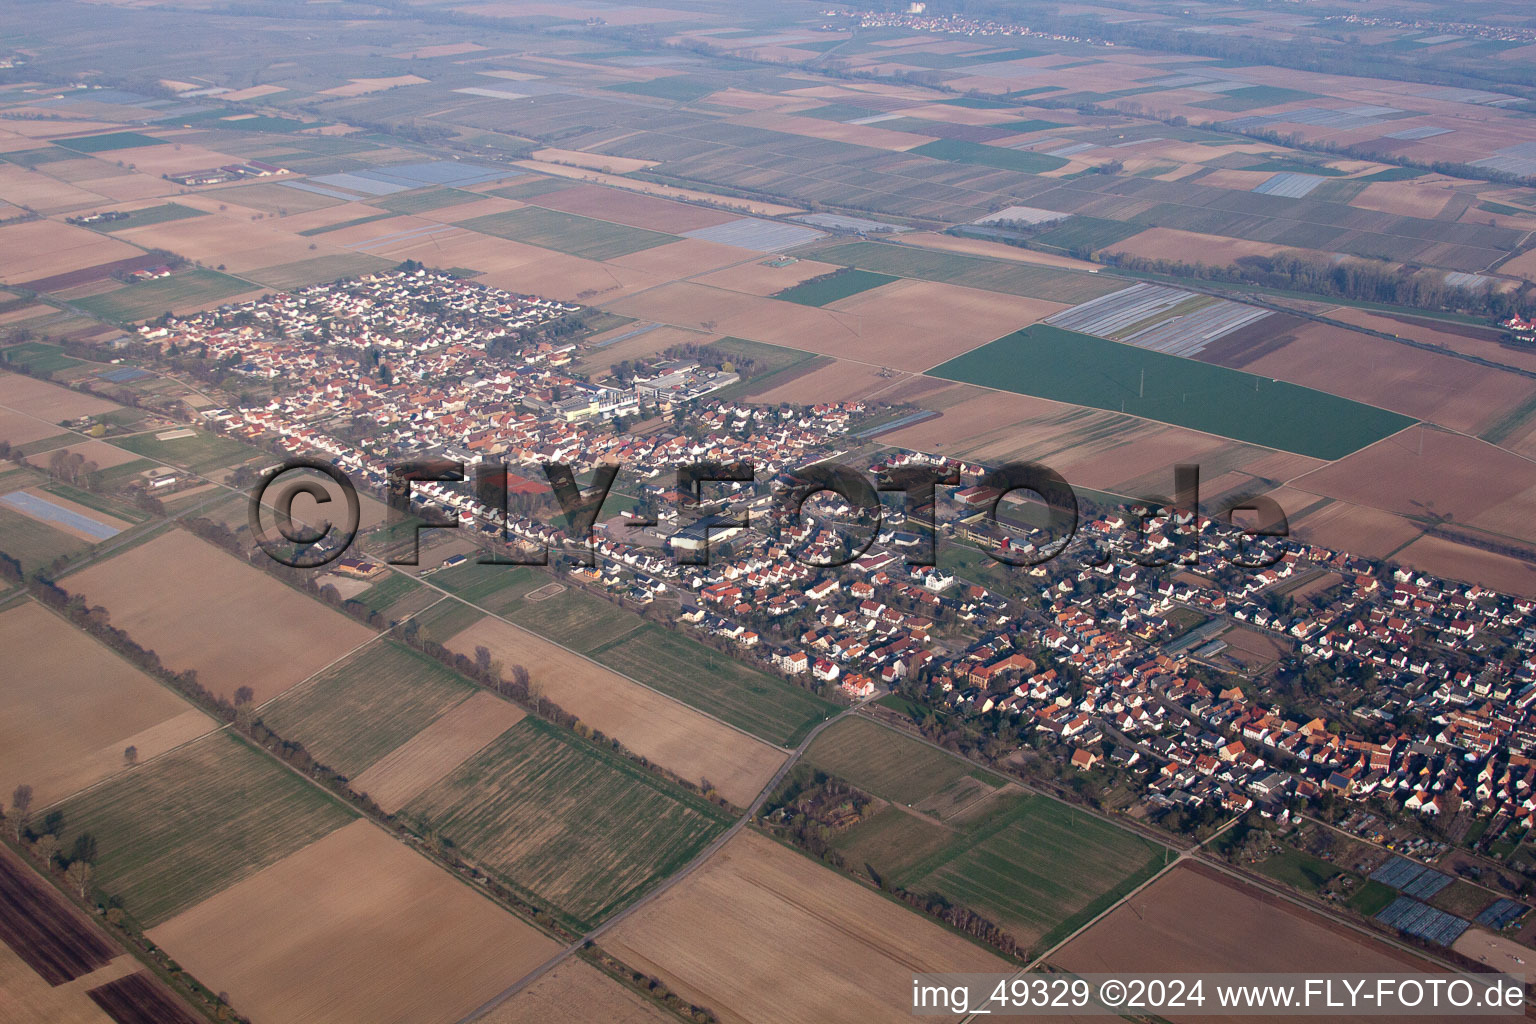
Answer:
(424, 581)
(1159, 317)
(296, 686)
(666, 884)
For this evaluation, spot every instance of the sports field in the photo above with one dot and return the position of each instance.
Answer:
(199, 452)
(360, 710)
(174, 832)
(777, 711)
(570, 824)
(568, 233)
(1065, 366)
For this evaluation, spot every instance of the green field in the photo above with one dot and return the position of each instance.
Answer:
(679, 89)
(1255, 96)
(354, 222)
(446, 619)
(567, 822)
(190, 824)
(900, 768)
(1038, 867)
(1372, 898)
(960, 152)
(1007, 276)
(320, 269)
(1033, 125)
(110, 141)
(360, 710)
(566, 232)
(420, 202)
(393, 591)
(39, 357)
(771, 364)
(152, 215)
(839, 284)
(532, 187)
(147, 299)
(1087, 233)
(201, 453)
(35, 544)
(571, 618)
(1279, 165)
(1065, 366)
(777, 711)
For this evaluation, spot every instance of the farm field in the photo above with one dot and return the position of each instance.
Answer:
(577, 991)
(49, 402)
(152, 215)
(1012, 277)
(651, 724)
(567, 233)
(356, 926)
(1037, 867)
(1425, 471)
(1047, 362)
(43, 930)
(24, 993)
(545, 811)
(175, 831)
(757, 913)
(838, 285)
(894, 766)
(426, 758)
(354, 713)
(1196, 918)
(770, 708)
(1425, 385)
(35, 544)
(1033, 865)
(186, 290)
(230, 622)
(73, 707)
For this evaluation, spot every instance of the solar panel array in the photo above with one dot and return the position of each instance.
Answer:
(1501, 913)
(1423, 921)
(1411, 877)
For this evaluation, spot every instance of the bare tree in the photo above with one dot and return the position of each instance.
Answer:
(79, 874)
(21, 806)
(46, 846)
(244, 695)
(130, 756)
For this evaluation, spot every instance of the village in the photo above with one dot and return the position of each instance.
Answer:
(1106, 654)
